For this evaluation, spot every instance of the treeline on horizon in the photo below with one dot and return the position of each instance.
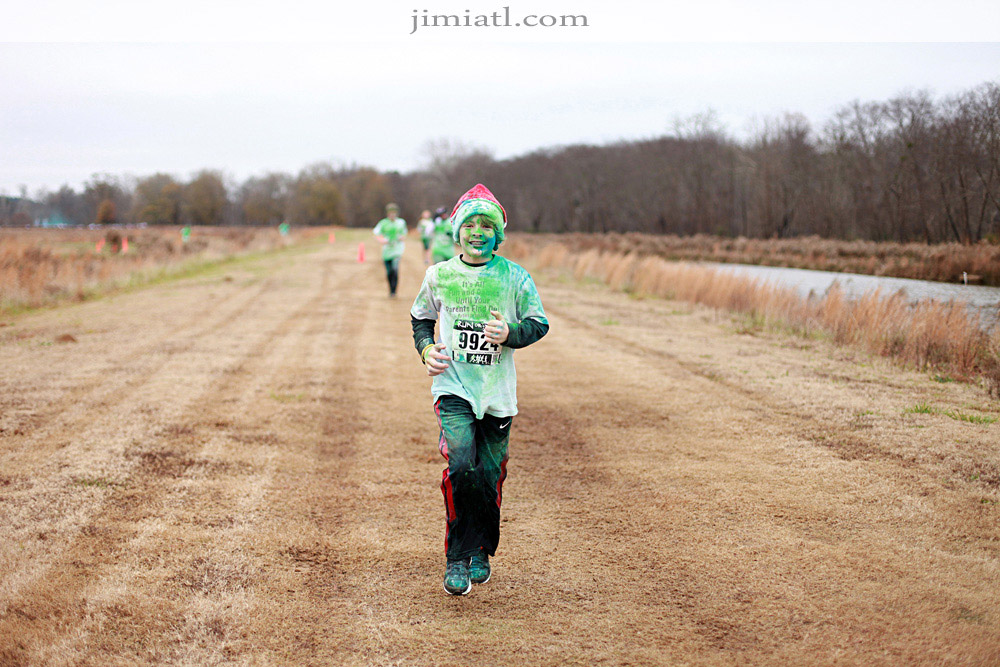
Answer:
(909, 169)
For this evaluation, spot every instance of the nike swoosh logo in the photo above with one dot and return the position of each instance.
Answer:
(505, 425)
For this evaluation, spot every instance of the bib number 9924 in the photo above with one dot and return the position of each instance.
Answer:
(472, 340)
(469, 344)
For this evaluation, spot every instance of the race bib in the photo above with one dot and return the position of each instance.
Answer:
(469, 344)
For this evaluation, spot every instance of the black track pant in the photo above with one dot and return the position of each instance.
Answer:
(476, 450)
(392, 273)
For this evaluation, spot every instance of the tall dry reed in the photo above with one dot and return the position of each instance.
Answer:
(929, 335)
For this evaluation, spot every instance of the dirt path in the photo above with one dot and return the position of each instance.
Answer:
(242, 469)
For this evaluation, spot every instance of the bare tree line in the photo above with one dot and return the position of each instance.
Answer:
(911, 168)
(907, 169)
(320, 194)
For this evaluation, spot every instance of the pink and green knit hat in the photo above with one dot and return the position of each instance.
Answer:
(479, 201)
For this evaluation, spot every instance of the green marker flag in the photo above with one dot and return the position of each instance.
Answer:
(283, 228)
(185, 234)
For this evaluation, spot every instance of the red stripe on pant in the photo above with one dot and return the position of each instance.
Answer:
(449, 505)
(503, 476)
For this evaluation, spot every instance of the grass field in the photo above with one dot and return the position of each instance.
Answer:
(241, 467)
(41, 267)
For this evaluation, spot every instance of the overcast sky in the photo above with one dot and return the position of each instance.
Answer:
(375, 95)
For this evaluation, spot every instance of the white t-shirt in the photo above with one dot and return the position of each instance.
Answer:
(426, 227)
(462, 296)
(395, 233)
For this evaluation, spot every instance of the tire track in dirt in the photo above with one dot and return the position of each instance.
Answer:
(66, 487)
(128, 502)
(55, 423)
(302, 566)
(220, 518)
(812, 427)
(309, 557)
(593, 446)
(842, 441)
(293, 561)
(834, 538)
(392, 508)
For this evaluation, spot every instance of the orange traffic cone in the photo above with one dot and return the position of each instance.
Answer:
(100, 245)
(332, 238)
(361, 252)
(124, 244)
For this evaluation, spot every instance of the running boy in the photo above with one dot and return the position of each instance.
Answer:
(488, 307)
(391, 232)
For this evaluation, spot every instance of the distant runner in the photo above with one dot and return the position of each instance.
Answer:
(426, 228)
(488, 307)
(391, 232)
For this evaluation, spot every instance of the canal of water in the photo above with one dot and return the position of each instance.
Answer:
(980, 299)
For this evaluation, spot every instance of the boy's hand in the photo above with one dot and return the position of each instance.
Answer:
(497, 329)
(436, 360)
(382, 239)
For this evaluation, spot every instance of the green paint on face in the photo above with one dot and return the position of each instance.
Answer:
(477, 236)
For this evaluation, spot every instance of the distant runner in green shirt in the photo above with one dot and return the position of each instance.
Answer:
(487, 307)
(426, 228)
(391, 232)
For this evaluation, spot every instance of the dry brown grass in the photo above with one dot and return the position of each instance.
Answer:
(930, 335)
(944, 262)
(40, 267)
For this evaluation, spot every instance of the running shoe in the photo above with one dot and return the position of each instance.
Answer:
(479, 567)
(456, 577)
